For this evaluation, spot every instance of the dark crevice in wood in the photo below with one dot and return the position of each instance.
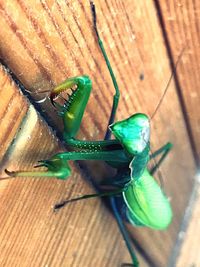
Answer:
(25, 92)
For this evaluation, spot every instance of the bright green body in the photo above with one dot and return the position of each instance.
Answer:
(146, 203)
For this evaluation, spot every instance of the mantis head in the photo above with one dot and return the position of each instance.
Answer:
(133, 133)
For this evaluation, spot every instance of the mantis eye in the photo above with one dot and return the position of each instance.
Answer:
(133, 133)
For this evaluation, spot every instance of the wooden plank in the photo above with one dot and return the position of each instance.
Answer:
(57, 40)
(189, 251)
(13, 108)
(181, 30)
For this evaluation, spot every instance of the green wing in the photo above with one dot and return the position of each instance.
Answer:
(147, 204)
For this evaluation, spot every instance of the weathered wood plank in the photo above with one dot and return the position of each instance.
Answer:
(55, 40)
(189, 249)
(181, 29)
(13, 108)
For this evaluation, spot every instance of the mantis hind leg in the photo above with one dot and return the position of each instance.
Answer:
(117, 92)
(164, 150)
(104, 194)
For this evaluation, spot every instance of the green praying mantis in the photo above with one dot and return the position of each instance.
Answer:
(129, 153)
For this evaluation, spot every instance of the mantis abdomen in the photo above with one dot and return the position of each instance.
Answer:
(147, 204)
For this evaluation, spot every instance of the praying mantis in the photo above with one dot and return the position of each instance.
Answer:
(129, 153)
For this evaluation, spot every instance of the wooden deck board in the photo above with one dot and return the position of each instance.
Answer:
(53, 41)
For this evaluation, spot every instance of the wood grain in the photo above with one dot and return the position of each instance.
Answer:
(181, 29)
(189, 251)
(13, 108)
(43, 43)
(180, 24)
